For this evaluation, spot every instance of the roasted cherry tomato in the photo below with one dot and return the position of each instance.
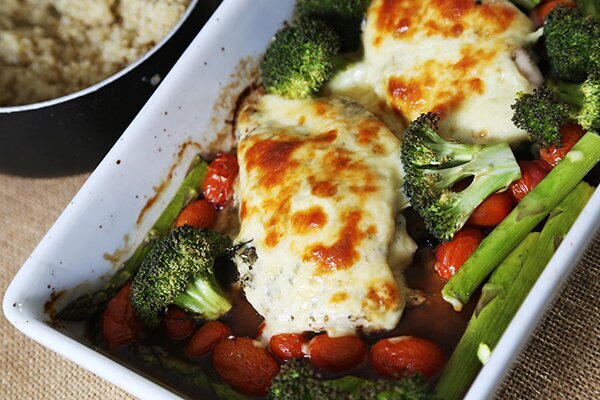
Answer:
(540, 12)
(571, 133)
(179, 324)
(207, 337)
(404, 355)
(337, 353)
(247, 367)
(288, 345)
(199, 214)
(218, 184)
(492, 210)
(118, 323)
(451, 255)
(532, 172)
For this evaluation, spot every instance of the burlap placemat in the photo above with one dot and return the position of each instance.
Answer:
(562, 361)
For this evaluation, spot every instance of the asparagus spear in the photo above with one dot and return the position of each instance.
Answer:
(89, 304)
(192, 374)
(463, 365)
(505, 292)
(530, 212)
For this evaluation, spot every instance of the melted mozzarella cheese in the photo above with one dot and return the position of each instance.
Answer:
(320, 191)
(452, 57)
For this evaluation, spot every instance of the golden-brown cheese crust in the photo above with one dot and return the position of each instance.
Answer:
(320, 188)
(405, 19)
(452, 57)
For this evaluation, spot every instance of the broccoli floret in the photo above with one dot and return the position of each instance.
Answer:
(433, 165)
(300, 59)
(584, 101)
(544, 111)
(572, 43)
(297, 381)
(344, 16)
(541, 114)
(179, 270)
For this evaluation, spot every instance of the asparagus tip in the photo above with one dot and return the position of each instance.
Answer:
(454, 301)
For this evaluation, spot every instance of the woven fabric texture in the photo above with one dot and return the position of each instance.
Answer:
(562, 361)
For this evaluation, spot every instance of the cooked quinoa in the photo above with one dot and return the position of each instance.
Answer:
(50, 48)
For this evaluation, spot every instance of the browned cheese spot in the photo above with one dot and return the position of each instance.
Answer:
(342, 254)
(384, 297)
(306, 221)
(339, 297)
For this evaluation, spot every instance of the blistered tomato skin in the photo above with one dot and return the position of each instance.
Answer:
(244, 365)
(118, 323)
(178, 323)
(199, 214)
(206, 338)
(337, 354)
(571, 133)
(220, 176)
(450, 256)
(532, 172)
(541, 11)
(405, 355)
(288, 345)
(492, 210)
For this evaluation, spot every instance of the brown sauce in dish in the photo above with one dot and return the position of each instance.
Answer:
(243, 318)
(434, 320)
(50, 304)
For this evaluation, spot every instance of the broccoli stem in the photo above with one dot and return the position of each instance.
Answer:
(570, 93)
(531, 211)
(202, 296)
(504, 293)
(526, 4)
(492, 167)
(90, 304)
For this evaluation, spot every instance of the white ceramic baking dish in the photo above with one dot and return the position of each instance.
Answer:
(193, 104)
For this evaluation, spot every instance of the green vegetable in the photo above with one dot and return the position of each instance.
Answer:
(464, 364)
(194, 375)
(544, 111)
(433, 165)
(572, 43)
(541, 114)
(529, 212)
(589, 7)
(584, 100)
(344, 16)
(504, 293)
(90, 304)
(179, 270)
(298, 381)
(155, 355)
(526, 4)
(301, 59)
